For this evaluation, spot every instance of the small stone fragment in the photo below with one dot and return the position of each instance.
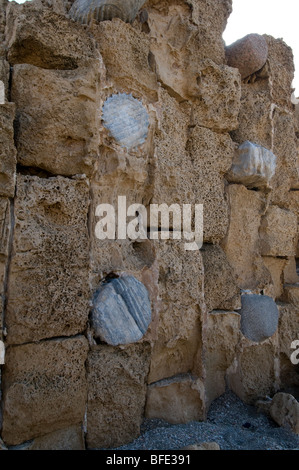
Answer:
(203, 446)
(122, 311)
(248, 54)
(103, 10)
(253, 165)
(259, 317)
(285, 411)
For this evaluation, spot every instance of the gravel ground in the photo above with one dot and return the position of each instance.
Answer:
(231, 423)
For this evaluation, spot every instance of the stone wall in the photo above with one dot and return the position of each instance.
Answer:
(100, 334)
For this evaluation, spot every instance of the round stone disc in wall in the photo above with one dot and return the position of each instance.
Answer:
(126, 119)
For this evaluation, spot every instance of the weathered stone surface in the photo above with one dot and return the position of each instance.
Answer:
(221, 340)
(217, 96)
(4, 77)
(5, 230)
(71, 438)
(116, 394)
(259, 317)
(252, 375)
(57, 118)
(122, 311)
(44, 388)
(290, 275)
(126, 119)
(288, 328)
(103, 10)
(180, 308)
(248, 54)
(39, 36)
(285, 411)
(125, 54)
(220, 288)
(203, 446)
(241, 243)
(2, 93)
(2, 353)
(48, 291)
(253, 165)
(278, 232)
(7, 150)
(176, 400)
(291, 294)
(275, 267)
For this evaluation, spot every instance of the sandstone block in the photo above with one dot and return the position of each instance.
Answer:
(288, 327)
(252, 375)
(57, 118)
(291, 294)
(241, 243)
(104, 10)
(48, 291)
(278, 232)
(44, 388)
(285, 411)
(248, 54)
(121, 312)
(176, 400)
(220, 346)
(259, 317)
(7, 150)
(290, 275)
(276, 268)
(221, 290)
(39, 36)
(116, 394)
(253, 165)
(64, 439)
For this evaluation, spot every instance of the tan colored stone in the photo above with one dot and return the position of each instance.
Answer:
(116, 394)
(203, 446)
(241, 243)
(39, 36)
(290, 275)
(65, 439)
(221, 341)
(125, 53)
(285, 411)
(291, 294)
(60, 134)
(4, 76)
(7, 150)
(252, 375)
(176, 400)
(288, 327)
(180, 310)
(278, 232)
(44, 388)
(221, 290)
(48, 291)
(276, 268)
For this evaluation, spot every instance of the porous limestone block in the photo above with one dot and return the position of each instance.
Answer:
(71, 438)
(281, 66)
(290, 275)
(217, 94)
(121, 311)
(44, 388)
(42, 37)
(291, 294)
(276, 268)
(288, 327)
(180, 309)
(125, 53)
(241, 243)
(116, 394)
(181, 36)
(220, 288)
(255, 116)
(249, 54)
(259, 317)
(179, 399)
(253, 374)
(253, 166)
(221, 341)
(278, 232)
(57, 118)
(104, 10)
(7, 150)
(284, 410)
(48, 289)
